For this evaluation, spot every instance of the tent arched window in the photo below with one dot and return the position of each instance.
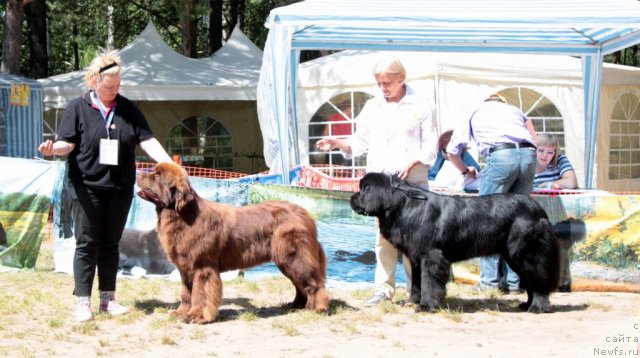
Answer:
(335, 118)
(201, 142)
(624, 150)
(544, 115)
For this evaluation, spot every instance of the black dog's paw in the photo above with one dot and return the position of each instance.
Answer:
(414, 299)
(425, 308)
(539, 309)
(524, 306)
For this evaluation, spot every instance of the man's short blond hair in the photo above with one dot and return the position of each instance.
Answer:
(390, 65)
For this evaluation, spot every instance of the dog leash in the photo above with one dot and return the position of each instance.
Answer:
(410, 193)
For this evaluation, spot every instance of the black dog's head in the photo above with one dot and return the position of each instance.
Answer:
(378, 195)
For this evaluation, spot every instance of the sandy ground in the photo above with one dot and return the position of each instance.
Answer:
(583, 324)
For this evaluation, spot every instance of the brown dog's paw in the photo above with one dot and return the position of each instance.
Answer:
(180, 316)
(201, 320)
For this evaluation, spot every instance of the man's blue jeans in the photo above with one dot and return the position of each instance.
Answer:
(506, 171)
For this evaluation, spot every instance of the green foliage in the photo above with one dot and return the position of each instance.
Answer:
(79, 29)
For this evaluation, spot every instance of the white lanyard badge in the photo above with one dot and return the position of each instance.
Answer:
(108, 147)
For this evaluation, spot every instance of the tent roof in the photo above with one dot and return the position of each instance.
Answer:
(540, 26)
(7, 79)
(238, 51)
(155, 72)
(353, 67)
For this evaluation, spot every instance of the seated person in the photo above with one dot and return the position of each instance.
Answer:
(444, 174)
(553, 170)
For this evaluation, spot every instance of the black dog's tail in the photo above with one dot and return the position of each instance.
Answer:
(570, 231)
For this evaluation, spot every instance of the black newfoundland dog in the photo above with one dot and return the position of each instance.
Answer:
(435, 230)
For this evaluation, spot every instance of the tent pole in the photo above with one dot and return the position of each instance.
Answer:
(592, 73)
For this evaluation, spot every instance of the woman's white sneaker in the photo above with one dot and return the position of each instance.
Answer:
(83, 311)
(113, 308)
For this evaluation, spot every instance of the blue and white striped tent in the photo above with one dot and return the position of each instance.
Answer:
(22, 126)
(589, 29)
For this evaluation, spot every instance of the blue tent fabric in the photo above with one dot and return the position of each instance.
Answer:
(22, 124)
(274, 178)
(586, 28)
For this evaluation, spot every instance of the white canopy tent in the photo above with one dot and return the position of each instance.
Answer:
(240, 53)
(153, 71)
(169, 88)
(586, 28)
(455, 82)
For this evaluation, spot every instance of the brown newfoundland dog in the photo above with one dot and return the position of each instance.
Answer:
(435, 230)
(203, 238)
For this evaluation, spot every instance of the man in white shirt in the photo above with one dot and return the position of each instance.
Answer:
(398, 132)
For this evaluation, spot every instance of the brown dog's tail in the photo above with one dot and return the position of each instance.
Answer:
(322, 297)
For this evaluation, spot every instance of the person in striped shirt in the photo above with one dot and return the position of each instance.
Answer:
(553, 170)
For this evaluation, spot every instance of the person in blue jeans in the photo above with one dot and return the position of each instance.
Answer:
(442, 157)
(507, 140)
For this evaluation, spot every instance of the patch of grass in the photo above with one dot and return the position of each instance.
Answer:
(248, 316)
(401, 295)
(277, 284)
(454, 315)
(287, 328)
(362, 295)
(388, 307)
(167, 340)
(161, 322)
(598, 306)
(131, 317)
(198, 333)
(86, 328)
(55, 322)
(19, 351)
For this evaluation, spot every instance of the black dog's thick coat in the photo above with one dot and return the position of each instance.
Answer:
(435, 230)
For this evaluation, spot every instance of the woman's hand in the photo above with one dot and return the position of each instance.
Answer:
(46, 148)
(49, 147)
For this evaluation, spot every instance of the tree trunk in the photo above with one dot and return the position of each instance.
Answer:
(74, 43)
(215, 25)
(11, 52)
(189, 29)
(242, 8)
(36, 13)
(233, 16)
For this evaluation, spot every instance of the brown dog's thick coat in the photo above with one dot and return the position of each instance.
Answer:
(203, 238)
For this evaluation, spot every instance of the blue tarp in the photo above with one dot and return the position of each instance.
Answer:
(22, 121)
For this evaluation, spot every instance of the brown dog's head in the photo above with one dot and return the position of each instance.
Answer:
(167, 187)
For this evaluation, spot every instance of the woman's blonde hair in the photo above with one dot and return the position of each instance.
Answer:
(107, 63)
(390, 65)
(549, 140)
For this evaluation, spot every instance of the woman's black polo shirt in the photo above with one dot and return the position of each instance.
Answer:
(83, 125)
